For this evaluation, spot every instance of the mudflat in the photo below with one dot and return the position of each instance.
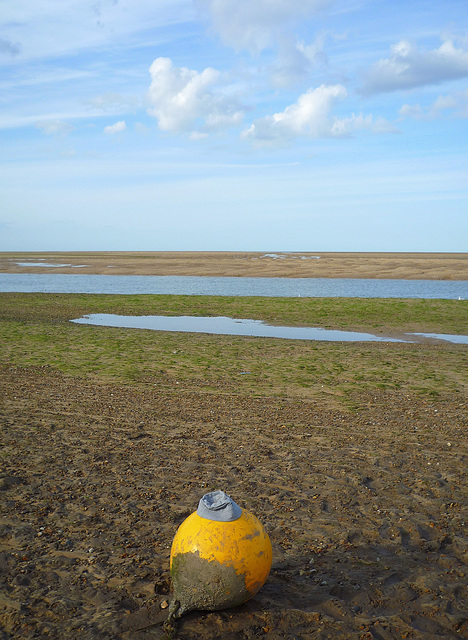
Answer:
(432, 266)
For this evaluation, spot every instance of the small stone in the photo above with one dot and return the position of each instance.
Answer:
(164, 604)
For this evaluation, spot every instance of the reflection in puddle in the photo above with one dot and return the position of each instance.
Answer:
(228, 326)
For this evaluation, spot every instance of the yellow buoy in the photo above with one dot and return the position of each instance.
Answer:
(221, 556)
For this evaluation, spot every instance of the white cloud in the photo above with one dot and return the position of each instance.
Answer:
(408, 67)
(183, 99)
(412, 111)
(257, 24)
(118, 127)
(455, 104)
(311, 117)
(270, 24)
(54, 127)
(445, 102)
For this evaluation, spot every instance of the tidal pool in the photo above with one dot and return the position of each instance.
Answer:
(221, 325)
(48, 264)
(444, 336)
(228, 326)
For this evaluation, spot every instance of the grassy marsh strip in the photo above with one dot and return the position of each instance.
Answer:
(358, 314)
(35, 331)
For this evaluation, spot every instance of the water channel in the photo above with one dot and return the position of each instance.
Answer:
(264, 287)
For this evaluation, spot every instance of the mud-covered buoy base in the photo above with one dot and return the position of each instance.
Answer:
(170, 626)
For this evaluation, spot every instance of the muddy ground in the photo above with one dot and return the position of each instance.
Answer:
(426, 266)
(366, 510)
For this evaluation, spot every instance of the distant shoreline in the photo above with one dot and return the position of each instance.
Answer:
(319, 264)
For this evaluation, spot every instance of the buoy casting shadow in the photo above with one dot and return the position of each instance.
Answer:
(220, 557)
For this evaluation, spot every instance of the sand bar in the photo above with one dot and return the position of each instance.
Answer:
(406, 266)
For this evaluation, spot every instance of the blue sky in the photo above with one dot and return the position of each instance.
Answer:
(292, 125)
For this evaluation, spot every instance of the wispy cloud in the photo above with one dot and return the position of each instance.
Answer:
(51, 28)
(9, 48)
(55, 127)
(454, 105)
(297, 59)
(186, 100)
(257, 24)
(261, 25)
(118, 127)
(409, 67)
(114, 102)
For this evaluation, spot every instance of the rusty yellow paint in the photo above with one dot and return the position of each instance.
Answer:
(242, 544)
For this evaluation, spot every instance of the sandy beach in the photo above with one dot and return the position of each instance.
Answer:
(366, 511)
(366, 504)
(426, 266)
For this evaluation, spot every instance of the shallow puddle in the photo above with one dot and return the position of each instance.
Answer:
(444, 336)
(244, 327)
(228, 326)
(48, 264)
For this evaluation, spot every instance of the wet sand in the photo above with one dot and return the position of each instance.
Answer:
(426, 266)
(366, 510)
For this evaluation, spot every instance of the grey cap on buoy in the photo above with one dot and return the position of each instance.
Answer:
(218, 506)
